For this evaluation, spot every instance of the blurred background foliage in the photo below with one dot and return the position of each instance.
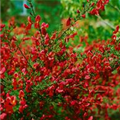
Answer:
(53, 11)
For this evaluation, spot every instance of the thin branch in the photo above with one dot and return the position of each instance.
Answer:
(108, 24)
(115, 7)
(34, 15)
(24, 57)
(79, 17)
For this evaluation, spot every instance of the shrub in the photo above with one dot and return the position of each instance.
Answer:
(43, 78)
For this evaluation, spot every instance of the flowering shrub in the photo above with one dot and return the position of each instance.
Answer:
(42, 78)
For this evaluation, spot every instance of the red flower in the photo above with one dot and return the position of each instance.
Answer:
(43, 28)
(29, 19)
(90, 118)
(28, 27)
(36, 25)
(14, 83)
(87, 77)
(78, 11)
(93, 4)
(21, 94)
(83, 15)
(116, 30)
(2, 116)
(1, 35)
(114, 37)
(68, 22)
(106, 1)
(2, 25)
(13, 100)
(94, 12)
(26, 6)
(0, 29)
(2, 70)
(47, 39)
(23, 105)
(37, 18)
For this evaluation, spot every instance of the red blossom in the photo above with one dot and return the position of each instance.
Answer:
(2, 116)
(37, 18)
(68, 22)
(2, 25)
(90, 118)
(2, 70)
(29, 19)
(26, 6)
(21, 94)
(116, 30)
(83, 15)
(94, 12)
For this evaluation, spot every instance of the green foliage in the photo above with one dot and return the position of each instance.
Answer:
(70, 6)
(49, 12)
(96, 27)
(4, 7)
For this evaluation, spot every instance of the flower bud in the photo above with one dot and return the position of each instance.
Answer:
(26, 6)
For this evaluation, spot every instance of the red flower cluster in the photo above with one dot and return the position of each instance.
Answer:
(99, 6)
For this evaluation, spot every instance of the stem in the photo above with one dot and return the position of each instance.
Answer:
(79, 17)
(2, 83)
(108, 24)
(115, 7)
(25, 57)
(31, 5)
(33, 11)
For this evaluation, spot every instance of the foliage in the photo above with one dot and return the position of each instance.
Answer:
(49, 12)
(4, 7)
(95, 27)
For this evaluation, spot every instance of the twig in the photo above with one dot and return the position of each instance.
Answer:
(108, 24)
(75, 21)
(33, 11)
(24, 57)
(115, 7)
